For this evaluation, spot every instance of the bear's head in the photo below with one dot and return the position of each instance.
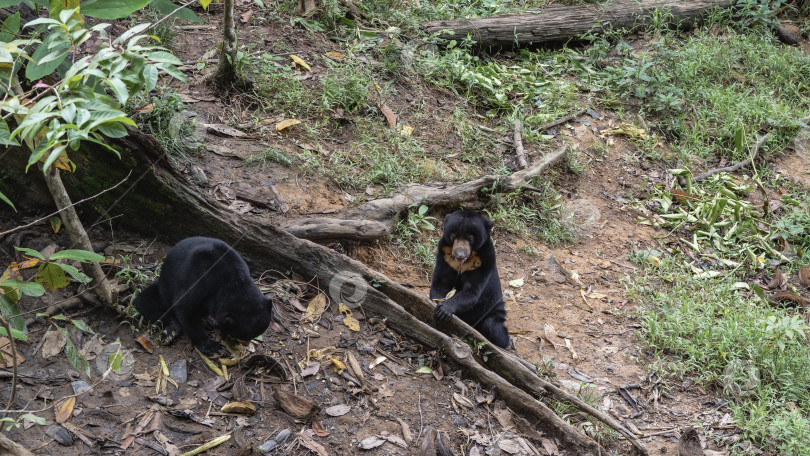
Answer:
(466, 232)
(250, 319)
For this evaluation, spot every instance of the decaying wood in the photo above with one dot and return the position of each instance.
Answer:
(564, 22)
(518, 141)
(12, 448)
(377, 218)
(165, 202)
(561, 121)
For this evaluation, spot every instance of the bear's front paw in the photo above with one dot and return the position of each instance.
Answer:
(212, 349)
(443, 313)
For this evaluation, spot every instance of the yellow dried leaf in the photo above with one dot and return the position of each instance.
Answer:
(406, 130)
(626, 129)
(315, 309)
(336, 55)
(286, 123)
(300, 62)
(64, 410)
(240, 407)
(163, 366)
(348, 319)
(339, 366)
(211, 364)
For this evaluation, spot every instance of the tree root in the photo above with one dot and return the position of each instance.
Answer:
(377, 218)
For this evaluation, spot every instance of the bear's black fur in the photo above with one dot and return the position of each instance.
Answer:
(204, 277)
(465, 262)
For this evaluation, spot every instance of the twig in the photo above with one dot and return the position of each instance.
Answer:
(66, 207)
(189, 2)
(518, 141)
(561, 121)
(420, 419)
(735, 166)
(13, 393)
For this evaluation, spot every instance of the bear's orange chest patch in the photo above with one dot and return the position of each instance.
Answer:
(474, 262)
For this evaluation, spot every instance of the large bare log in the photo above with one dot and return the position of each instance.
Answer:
(162, 200)
(377, 218)
(562, 22)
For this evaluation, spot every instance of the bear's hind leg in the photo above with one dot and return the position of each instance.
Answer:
(495, 331)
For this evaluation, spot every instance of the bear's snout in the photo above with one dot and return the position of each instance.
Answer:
(461, 250)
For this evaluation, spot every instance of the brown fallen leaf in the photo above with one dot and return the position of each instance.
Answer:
(804, 276)
(224, 130)
(778, 282)
(145, 343)
(406, 431)
(315, 309)
(245, 17)
(463, 401)
(64, 409)
(389, 115)
(319, 430)
(550, 334)
(296, 406)
(310, 444)
(7, 360)
(689, 443)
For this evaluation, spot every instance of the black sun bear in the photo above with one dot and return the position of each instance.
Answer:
(205, 278)
(465, 262)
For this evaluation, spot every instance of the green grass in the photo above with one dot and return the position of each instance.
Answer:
(719, 334)
(703, 90)
(535, 215)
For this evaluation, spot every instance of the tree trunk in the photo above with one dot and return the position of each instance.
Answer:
(78, 236)
(9, 447)
(562, 22)
(226, 71)
(161, 200)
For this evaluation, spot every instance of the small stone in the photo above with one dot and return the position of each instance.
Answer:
(268, 446)
(80, 386)
(60, 434)
(282, 436)
(178, 371)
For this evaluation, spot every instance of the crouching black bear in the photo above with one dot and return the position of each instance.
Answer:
(204, 277)
(465, 262)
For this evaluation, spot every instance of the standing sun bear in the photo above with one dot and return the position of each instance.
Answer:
(465, 262)
(205, 278)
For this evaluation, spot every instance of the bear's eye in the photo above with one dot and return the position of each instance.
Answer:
(472, 239)
(452, 237)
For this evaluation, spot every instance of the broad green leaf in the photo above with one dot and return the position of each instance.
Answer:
(82, 326)
(119, 89)
(112, 130)
(56, 223)
(150, 75)
(10, 28)
(15, 333)
(5, 135)
(11, 312)
(52, 44)
(76, 359)
(172, 71)
(34, 419)
(75, 273)
(166, 7)
(57, 6)
(27, 288)
(31, 252)
(163, 57)
(51, 276)
(76, 255)
(114, 361)
(112, 9)
(7, 201)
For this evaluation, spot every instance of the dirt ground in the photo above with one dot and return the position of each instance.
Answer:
(571, 317)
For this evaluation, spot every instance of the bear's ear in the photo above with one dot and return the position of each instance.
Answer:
(488, 224)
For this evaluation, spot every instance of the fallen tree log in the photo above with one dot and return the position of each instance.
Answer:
(561, 23)
(377, 218)
(161, 200)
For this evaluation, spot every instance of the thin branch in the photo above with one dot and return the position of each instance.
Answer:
(172, 13)
(735, 166)
(64, 208)
(562, 121)
(13, 344)
(518, 141)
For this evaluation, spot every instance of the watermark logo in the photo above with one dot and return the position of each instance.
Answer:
(348, 289)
